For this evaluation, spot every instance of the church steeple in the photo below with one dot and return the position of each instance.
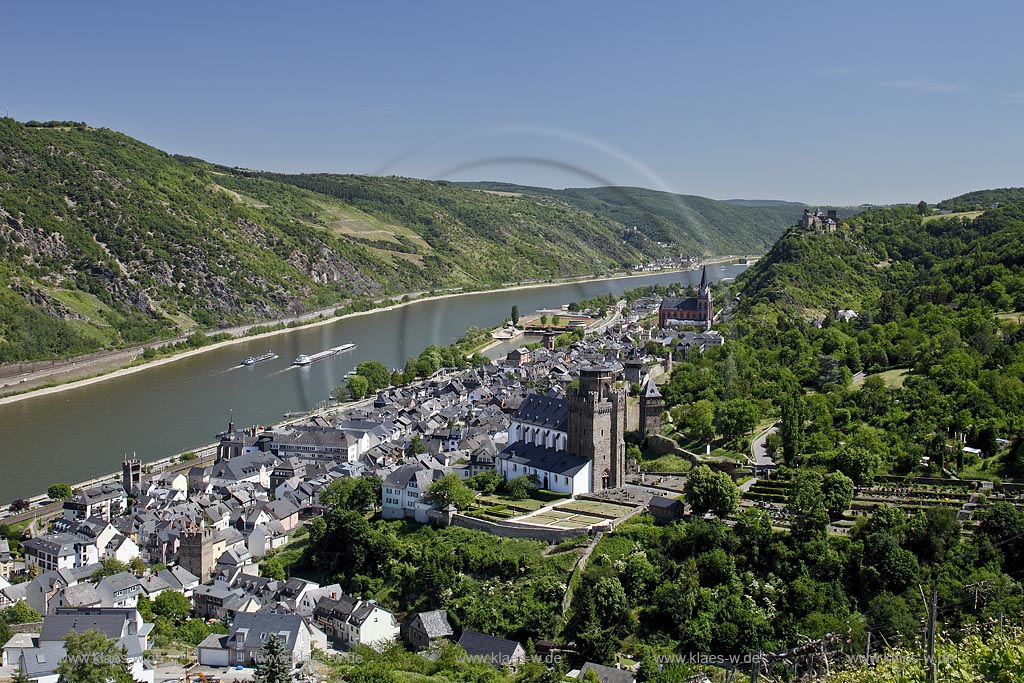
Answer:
(231, 422)
(703, 289)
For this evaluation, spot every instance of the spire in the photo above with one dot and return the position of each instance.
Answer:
(704, 280)
(231, 421)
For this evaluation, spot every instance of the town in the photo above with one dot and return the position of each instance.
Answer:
(553, 414)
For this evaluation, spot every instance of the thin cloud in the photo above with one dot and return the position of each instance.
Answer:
(920, 85)
(1015, 97)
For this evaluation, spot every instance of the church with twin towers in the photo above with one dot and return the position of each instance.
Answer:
(571, 445)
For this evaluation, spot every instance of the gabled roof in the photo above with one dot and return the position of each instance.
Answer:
(689, 303)
(608, 674)
(259, 626)
(545, 459)
(56, 626)
(544, 411)
(435, 623)
(498, 650)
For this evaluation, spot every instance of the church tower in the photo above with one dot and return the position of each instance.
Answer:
(131, 473)
(705, 306)
(597, 424)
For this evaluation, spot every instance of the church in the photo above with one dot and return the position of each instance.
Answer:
(572, 446)
(692, 310)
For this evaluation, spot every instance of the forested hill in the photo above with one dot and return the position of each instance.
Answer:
(695, 224)
(983, 200)
(106, 241)
(896, 258)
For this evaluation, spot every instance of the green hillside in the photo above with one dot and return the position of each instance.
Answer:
(983, 200)
(893, 257)
(691, 224)
(106, 241)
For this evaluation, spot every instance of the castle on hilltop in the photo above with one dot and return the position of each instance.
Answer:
(819, 221)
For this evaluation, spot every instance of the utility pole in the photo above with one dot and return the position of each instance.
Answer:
(755, 667)
(932, 668)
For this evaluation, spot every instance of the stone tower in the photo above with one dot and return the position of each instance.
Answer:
(705, 306)
(195, 550)
(597, 424)
(651, 407)
(131, 473)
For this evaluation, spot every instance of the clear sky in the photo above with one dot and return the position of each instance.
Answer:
(822, 102)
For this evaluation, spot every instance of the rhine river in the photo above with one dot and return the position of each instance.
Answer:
(80, 433)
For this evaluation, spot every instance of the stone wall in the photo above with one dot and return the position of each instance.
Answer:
(508, 529)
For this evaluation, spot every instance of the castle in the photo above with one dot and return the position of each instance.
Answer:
(819, 221)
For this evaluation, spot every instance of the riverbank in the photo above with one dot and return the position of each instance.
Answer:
(93, 372)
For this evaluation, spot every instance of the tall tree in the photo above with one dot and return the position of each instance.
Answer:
(794, 415)
(515, 314)
(273, 663)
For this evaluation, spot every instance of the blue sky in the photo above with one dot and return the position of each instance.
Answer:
(820, 102)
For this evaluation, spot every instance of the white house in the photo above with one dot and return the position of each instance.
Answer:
(555, 470)
(403, 490)
(352, 621)
(250, 632)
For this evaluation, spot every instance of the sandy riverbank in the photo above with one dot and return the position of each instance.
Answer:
(43, 391)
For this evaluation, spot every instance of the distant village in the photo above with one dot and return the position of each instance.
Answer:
(557, 413)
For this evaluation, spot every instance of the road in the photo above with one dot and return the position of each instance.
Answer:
(760, 454)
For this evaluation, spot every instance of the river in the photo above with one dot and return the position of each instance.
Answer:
(74, 435)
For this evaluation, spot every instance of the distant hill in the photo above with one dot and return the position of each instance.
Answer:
(762, 202)
(691, 224)
(892, 258)
(982, 200)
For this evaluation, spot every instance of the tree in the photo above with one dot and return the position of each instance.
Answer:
(110, 566)
(376, 374)
(358, 386)
(450, 489)
(556, 320)
(59, 491)
(836, 492)
(92, 658)
(709, 491)
(272, 569)
(519, 488)
(485, 482)
(700, 420)
(922, 208)
(351, 493)
(794, 415)
(736, 417)
(137, 566)
(21, 613)
(173, 605)
(858, 463)
(515, 314)
(372, 672)
(397, 377)
(416, 445)
(544, 319)
(273, 662)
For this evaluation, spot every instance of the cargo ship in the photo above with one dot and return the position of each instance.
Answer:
(253, 360)
(303, 359)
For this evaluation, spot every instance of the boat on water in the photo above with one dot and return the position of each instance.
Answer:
(303, 359)
(253, 360)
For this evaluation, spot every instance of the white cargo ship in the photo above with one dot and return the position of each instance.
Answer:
(303, 359)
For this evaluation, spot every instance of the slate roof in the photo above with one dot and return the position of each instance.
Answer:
(543, 458)
(685, 304)
(261, 625)
(499, 650)
(544, 411)
(43, 659)
(56, 626)
(608, 674)
(435, 623)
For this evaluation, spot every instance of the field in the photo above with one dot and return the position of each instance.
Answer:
(962, 214)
